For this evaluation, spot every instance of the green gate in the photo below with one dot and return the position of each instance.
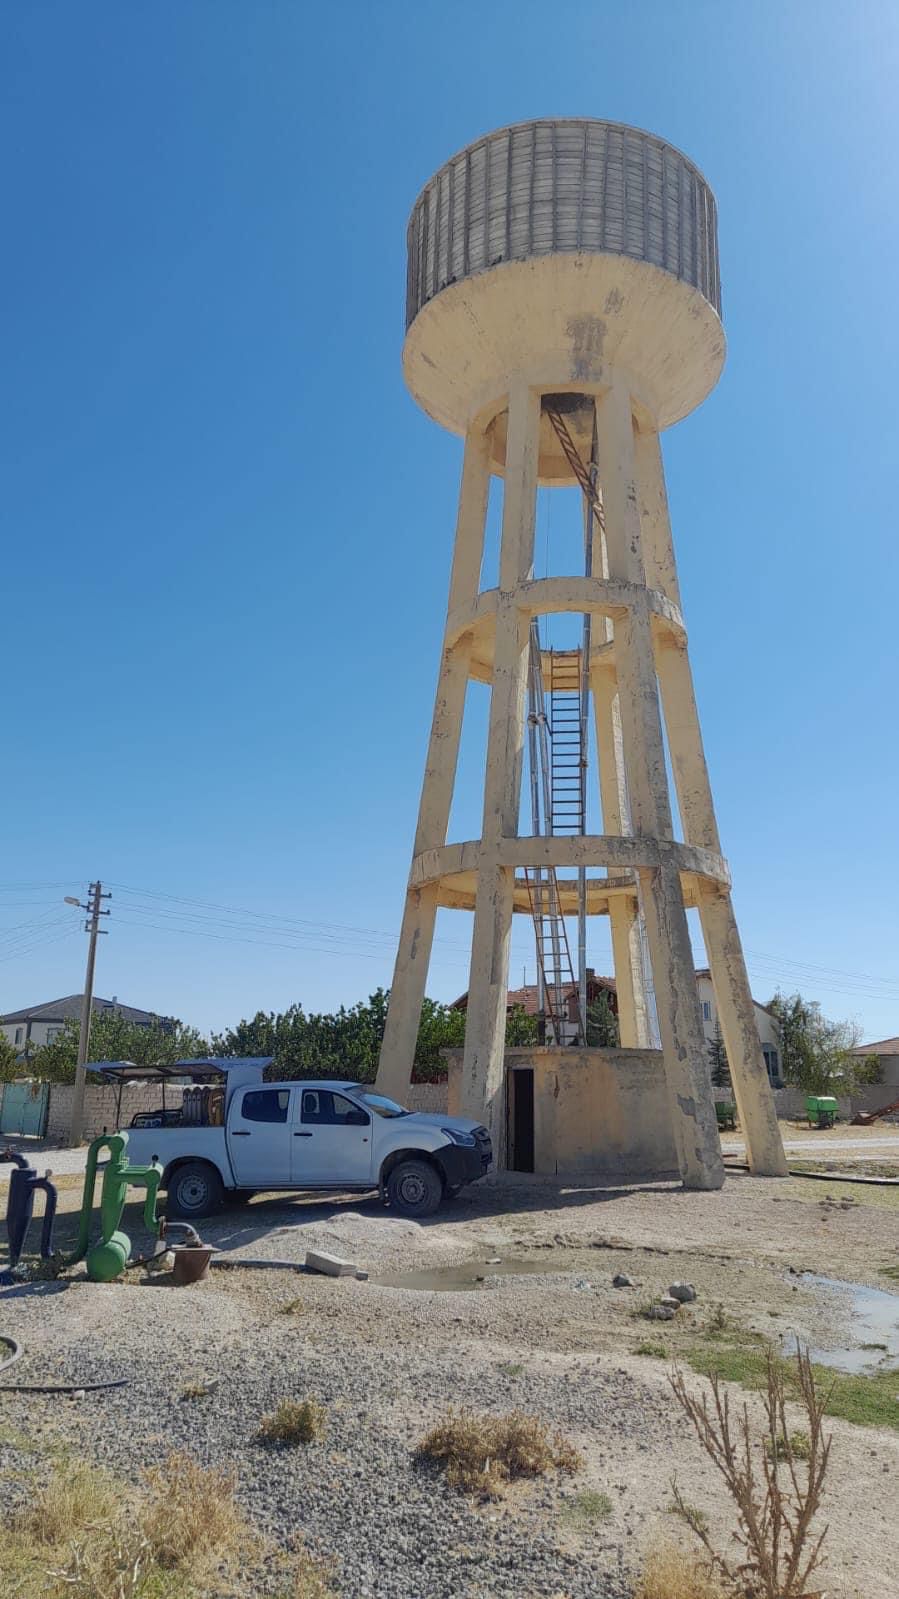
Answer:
(23, 1108)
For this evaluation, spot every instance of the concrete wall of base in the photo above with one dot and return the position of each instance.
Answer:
(596, 1111)
(430, 1098)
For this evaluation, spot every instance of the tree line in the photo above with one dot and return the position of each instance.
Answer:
(817, 1054)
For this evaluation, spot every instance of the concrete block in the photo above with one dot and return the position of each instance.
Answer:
(328, 1265)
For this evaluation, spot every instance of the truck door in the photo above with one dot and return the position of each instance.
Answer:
(259, 1128)
(331, 1141)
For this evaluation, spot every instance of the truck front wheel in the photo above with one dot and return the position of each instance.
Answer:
(414, 1188)
(194, 1189)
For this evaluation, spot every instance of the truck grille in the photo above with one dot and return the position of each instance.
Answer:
(485, 1148)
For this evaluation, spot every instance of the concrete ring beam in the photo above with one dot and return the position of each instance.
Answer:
(551, 595)
(596, 849)
(458, 892)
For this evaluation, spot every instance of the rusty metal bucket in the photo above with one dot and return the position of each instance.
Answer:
(191, 1263)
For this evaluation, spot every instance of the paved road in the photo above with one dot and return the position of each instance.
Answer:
(42, 1155)
(888, 1144)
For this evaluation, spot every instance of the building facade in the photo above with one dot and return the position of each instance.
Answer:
(40, 1024)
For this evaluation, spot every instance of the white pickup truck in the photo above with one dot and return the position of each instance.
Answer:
(235, 1135)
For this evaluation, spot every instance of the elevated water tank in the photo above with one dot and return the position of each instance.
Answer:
(570, 237)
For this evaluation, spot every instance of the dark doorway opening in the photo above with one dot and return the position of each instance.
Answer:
(521, 1089)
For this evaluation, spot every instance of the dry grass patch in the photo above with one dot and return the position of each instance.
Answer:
(83, 1535)
(201, 1389)
(670, 1573)
(190, 1512)
(586, 1509)
(73, 1497)
(296, 1421)
(481, 1453)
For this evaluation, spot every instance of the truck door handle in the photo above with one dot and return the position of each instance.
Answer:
(239, 1132)
(302, 1135)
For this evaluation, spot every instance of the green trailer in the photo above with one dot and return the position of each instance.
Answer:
(821, 1110)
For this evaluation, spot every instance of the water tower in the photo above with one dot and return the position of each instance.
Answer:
(563, 309)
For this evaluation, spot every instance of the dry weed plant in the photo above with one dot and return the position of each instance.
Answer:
(776, 1488)
(296, 1421)
(481, 1453)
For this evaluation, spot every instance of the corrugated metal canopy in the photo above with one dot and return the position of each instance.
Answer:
(567, 185)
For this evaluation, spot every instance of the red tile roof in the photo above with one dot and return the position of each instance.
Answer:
(527, 997)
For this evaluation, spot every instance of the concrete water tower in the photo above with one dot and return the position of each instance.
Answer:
(562, 310)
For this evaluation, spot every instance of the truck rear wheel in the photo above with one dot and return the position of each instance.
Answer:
(194, 1189)
(414, 1188)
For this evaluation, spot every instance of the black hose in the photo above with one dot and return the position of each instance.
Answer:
(840, 1177)
(48, 1388)
(823, 1176)
(17, 1351)
(62, 1387)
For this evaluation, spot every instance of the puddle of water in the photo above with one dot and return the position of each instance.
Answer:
(874, 1320)
(471, 1274)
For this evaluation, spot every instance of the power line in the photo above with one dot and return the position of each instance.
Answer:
(822, 971)
(24, 930)
(40, 943)
(318, 928)
(265, 943)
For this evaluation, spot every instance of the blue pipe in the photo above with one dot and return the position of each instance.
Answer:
(23, 1185)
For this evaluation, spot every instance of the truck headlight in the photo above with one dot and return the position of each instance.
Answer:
(455, 1137)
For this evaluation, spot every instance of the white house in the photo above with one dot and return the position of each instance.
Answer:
(40, 1024)
(765, 1021)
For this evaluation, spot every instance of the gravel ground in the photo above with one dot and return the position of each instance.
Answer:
(386, 1363)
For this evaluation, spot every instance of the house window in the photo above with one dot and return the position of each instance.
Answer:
(53, 1032)
(20, 1036)
(772, 1064)
(706, 1010)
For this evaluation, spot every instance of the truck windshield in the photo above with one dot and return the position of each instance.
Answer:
(382, 1106)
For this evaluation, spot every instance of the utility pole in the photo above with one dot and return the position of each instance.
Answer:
(92, 926)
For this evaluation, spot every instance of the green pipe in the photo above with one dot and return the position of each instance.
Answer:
(107, 1258)
(87, 1201)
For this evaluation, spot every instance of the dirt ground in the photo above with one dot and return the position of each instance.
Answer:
(559, 1342)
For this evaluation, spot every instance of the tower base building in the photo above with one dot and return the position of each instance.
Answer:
(563, 309)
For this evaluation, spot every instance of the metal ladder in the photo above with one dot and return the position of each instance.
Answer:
(566, 728)
(555, 974)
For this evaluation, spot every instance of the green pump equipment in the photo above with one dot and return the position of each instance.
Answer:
(107, 1258)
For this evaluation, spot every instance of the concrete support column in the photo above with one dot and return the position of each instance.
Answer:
(633, 1020)
(733, 997)
(420, 912)
(680, 1024)
(482, 1093)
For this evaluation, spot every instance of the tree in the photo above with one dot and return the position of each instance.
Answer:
(817, 1053)
(521, 1029)
(602, 1023)
(868, 1071)
(441, 1027)
(9, 1060)
(718, 1061)
(347, 1043)
(113, 1037)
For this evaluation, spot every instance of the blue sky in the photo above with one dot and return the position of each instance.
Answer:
(227, 527)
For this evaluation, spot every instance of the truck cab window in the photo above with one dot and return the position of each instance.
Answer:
(322, 1108)
(266, 1105)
